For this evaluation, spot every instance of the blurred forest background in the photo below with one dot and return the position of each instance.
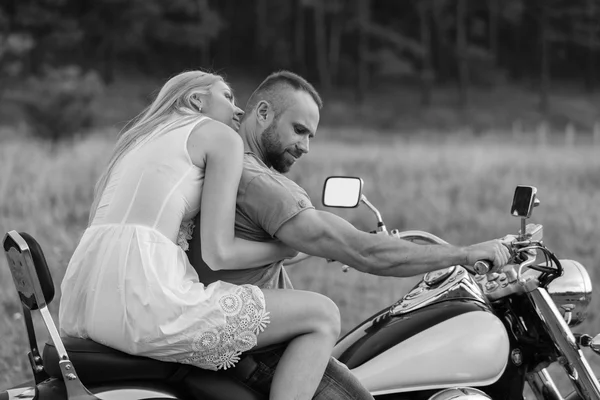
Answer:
(434, 64)
(442, 106)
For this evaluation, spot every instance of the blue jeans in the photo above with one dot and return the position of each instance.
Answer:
(338, 382)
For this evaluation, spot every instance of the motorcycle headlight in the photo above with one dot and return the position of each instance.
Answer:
(572, 292)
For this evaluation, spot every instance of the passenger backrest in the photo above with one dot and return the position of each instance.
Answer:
(29, 269)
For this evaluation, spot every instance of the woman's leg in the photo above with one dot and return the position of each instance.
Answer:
(311, 322)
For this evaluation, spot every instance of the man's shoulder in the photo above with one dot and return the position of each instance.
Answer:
(267, 198)
(257, 173)
(253, 166)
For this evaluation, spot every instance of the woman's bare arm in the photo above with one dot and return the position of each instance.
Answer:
(220, 150)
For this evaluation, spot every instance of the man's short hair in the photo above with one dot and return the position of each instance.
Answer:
(273, 89)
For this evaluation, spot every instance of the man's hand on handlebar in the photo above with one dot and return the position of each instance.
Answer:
(494, 251)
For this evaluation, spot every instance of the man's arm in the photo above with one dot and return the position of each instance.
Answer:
(326, 235)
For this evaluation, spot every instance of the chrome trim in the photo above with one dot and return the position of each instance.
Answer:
(573, 396)
(414, 235)
(571, 357)
(457, 285)
(543, 386)
(54, 335)
(381, 227)
(75, 388)
(433, 277)
(572, 292)
(595, 344)
(460, 393)
(534, 232)
(531, 256)
(25, 393)
(133, 394)
(516, 356)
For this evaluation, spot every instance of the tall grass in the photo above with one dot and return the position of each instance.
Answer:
(457, 189)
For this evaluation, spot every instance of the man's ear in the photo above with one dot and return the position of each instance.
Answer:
(264, 112)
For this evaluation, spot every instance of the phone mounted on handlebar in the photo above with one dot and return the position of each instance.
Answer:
(524, 200)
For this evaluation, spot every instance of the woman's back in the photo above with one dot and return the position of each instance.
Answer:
(129, 281)
(155, 185)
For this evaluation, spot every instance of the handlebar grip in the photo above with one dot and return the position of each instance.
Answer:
(482, 267)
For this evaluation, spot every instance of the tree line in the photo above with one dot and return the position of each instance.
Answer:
(336, 43)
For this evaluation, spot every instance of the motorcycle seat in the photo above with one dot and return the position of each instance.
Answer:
(95, 364)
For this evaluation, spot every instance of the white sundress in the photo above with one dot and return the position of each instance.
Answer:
(129, 284)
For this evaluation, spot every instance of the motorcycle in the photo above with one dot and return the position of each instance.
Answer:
(463, 332)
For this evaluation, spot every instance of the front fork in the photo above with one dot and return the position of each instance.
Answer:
(543, 386)
(570, 356)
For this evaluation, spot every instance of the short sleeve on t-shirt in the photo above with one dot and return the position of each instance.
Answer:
(271, 201)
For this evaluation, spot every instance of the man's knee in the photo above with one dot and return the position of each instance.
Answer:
(339, 383)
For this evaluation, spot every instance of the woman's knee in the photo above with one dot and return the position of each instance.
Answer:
(326, 317)
(301, 312)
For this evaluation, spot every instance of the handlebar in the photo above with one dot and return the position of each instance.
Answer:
(482, 267)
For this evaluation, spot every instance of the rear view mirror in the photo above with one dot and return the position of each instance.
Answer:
(523, 201)
(342, 191)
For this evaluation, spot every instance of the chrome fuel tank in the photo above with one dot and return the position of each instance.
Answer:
(441, 334)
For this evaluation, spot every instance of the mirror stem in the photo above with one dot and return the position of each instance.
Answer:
(380, 225)
(523, 229)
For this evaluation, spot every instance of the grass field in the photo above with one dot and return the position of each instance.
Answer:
(456, 188)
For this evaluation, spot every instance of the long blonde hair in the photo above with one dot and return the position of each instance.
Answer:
(174, 98)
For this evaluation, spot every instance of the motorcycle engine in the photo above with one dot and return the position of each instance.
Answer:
(572, 292)
(464, 393)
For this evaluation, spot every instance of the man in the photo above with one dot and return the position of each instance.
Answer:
(281, 117)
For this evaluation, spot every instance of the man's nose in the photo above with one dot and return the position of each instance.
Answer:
(303, 146)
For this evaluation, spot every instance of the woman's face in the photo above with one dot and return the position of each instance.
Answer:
(220, 106)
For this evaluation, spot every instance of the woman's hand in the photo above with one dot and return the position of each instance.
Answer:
(296, 259)
(286, 251)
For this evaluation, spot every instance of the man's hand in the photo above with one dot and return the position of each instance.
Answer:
(508, 239)
(493, 250)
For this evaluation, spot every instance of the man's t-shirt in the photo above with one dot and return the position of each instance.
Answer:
(265, 201)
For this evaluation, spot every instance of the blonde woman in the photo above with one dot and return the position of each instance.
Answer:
(129, 284)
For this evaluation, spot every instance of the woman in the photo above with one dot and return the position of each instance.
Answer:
(130, 286)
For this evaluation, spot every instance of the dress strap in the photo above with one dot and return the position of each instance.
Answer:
(199, 122)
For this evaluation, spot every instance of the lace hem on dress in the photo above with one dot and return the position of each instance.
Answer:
(186, 229)
(221, 347)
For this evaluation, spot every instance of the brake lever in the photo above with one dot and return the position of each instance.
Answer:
(529, 260)
(518, 258)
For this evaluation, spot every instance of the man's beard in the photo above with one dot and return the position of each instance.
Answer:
(274, 152)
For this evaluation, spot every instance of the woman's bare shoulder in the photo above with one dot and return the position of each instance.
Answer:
(209, 138)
